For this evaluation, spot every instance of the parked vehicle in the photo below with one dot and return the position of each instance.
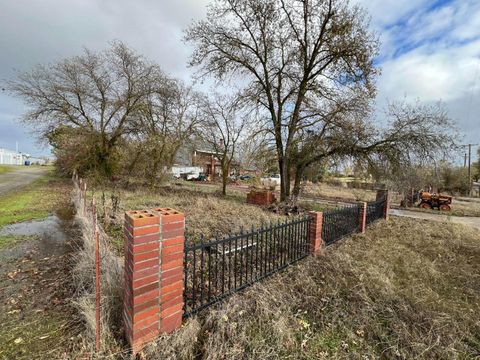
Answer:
(246, 177)
(431, 201)
(182, 171)
(273, 179)
(196, 177)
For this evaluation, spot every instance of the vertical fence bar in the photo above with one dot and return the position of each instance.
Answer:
(97, 291)
(194, 277)
(201, 271)
(209, 294)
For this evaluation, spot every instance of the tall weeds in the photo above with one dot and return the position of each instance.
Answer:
(111, 280)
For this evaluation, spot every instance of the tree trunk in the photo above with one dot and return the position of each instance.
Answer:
(155, 162)
(300, 169)
(281, 166)
(224, 178)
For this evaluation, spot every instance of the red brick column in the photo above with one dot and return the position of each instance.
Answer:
(141, 293)
(153, 295)
(315, 231)
(171, 276)
(363, 217)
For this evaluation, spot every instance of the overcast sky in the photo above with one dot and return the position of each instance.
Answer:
(430, 49)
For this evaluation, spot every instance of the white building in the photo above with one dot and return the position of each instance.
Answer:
(10, 157)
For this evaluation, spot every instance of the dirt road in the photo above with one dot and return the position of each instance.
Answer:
(465, 220)
(20, 177)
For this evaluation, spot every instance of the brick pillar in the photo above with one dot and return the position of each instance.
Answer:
(363, 217)
(153, 294)
(315, 231)
(171, 275)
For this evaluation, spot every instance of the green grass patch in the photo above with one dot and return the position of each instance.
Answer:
(32, 202)
(6, 168)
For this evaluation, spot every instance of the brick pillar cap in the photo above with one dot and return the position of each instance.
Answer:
(141, 217)
(167, 211)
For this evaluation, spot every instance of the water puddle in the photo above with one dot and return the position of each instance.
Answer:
(50, 236)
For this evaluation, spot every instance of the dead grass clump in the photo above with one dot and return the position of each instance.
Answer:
(84, 281)
(405, 289)
(337, 192)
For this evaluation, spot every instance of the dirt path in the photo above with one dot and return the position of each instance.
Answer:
(465, 220)
(22, 176)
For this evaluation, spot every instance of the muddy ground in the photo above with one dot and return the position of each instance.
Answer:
(36, 310)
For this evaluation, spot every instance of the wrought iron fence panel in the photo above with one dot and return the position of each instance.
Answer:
(216, 269)
(375, 211)
(340, 223)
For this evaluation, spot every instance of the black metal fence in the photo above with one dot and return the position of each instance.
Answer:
(340, 223)
(375, 211)
(216, 269)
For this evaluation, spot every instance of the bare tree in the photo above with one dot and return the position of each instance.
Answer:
(168, 117)
(96, 92)
(255, 151)
(222, 127)
(291, 54)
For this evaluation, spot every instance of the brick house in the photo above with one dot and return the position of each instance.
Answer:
(208, 161)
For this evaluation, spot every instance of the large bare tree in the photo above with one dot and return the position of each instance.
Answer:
(97, 93)
(223, 125)
(291, 54)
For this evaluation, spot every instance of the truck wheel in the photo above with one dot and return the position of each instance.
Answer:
(444, 207)
(425, 205)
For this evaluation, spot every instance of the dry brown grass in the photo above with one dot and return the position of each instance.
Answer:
(337, 192)
(84, 282)
(206, 213)
(406, 289)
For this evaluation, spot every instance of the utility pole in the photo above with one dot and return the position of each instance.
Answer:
(465, 161)
(469, 169)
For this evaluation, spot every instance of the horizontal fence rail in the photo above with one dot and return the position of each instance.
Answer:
(217, 269)
(375, 211)
(340, 223)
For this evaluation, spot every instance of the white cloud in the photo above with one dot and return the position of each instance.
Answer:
(432, 54)
(431, 76)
